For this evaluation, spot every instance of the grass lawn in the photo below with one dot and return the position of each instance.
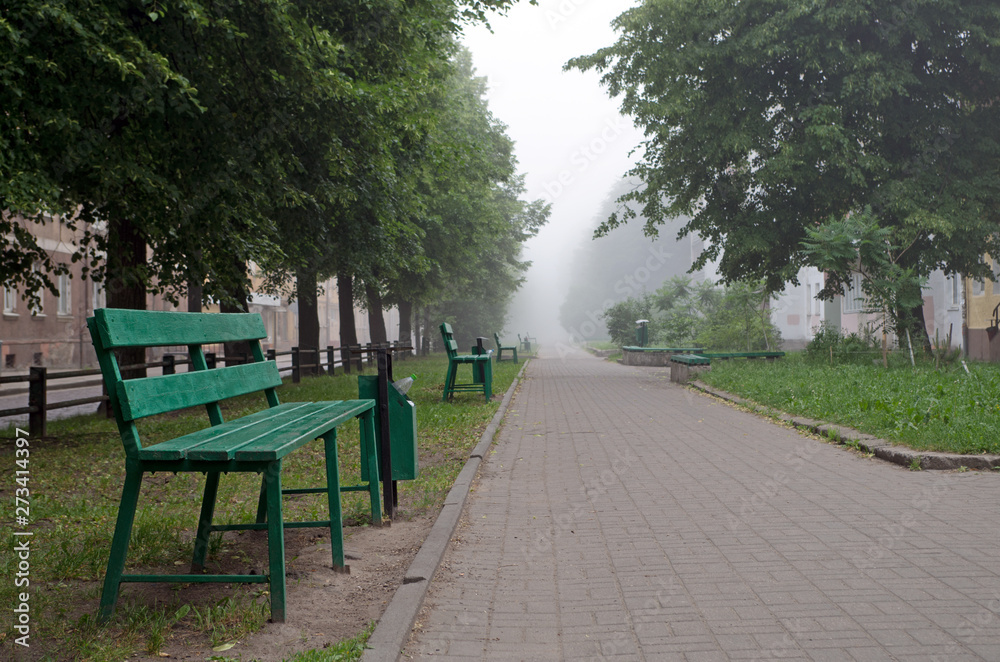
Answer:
(945, 410)
(75, 484)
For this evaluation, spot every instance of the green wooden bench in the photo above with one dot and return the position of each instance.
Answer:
(501, 348)
(455, 359)
(743, 355)
(690, 359)
(255, 443)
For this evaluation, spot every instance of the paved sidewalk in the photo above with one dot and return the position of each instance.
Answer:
(621, 516)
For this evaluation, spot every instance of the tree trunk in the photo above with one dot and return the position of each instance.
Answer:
(418, 334)
(237, 352)
(195, 292)
(306, 287)
(405, 328)
(194, 298)
(376, 322)
(125, 283)
(345, 300)
(922, 336)
(425, 349)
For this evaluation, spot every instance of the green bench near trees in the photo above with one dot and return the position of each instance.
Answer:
(743, 355)
(512, 349)
(255, 443)
(481, 381)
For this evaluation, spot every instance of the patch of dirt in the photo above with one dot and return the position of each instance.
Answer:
(323, 606)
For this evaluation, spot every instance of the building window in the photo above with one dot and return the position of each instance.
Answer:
(854, 296)
(978, 287)
(9, 301)
(996, 276)
(98, 299)
(956, 290)
(65, 295)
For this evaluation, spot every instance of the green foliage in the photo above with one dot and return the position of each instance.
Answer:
(740, 321)
(684, 314)
(857, 244)
(923, 408)
(294, 136)
(620, 319)
(830, 343)
(765, 118)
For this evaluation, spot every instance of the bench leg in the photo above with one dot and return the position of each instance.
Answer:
(119, 544)
(370, 455)
(276, 541)
(205, 521)
(449, 381)
(333, 501)
(262, 503)
(514, 351)
(488, 381)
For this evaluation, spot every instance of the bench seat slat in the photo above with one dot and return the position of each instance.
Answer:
(146, 328)
(178, 449)
(328, 416)
(156, 395)
(260, 437)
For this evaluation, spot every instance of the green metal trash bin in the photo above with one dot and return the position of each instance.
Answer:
(402, 429)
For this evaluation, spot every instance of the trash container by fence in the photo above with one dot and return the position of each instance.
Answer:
(402, 429)
(642, 333)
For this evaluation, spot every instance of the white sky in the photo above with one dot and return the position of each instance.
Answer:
(571, 142)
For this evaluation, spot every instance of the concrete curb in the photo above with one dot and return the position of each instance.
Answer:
(865, 443)
(393, 629)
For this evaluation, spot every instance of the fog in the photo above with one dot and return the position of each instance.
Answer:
(571, 142)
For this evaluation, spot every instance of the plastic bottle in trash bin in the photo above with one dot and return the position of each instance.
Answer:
(403, 385)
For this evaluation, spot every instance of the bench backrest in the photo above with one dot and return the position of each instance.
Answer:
(448, 336)
(496, 337)
(133, 399)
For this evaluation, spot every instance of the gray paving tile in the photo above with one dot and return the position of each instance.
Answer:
(619, 516)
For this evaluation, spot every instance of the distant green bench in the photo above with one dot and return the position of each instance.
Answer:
(255, 443)
(690, 359)
(481, 381)
(743, 355)
(672, 350)
(684, 366)
(501, 348)
(654, 356)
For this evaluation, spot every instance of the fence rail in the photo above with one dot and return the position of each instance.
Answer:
(304, 361)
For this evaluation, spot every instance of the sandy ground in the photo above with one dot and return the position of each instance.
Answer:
(323, 606)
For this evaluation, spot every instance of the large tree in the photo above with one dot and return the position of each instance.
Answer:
(767, 117)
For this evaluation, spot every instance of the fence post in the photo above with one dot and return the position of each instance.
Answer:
(37, 399)
(271, 355)
(330, 359)
(296, 370)
(169, 364)
(210, 360)
(345, 358)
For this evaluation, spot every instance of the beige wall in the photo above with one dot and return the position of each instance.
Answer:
(983, 339)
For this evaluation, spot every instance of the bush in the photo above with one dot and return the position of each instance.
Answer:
(853, 348)
(620, 319)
